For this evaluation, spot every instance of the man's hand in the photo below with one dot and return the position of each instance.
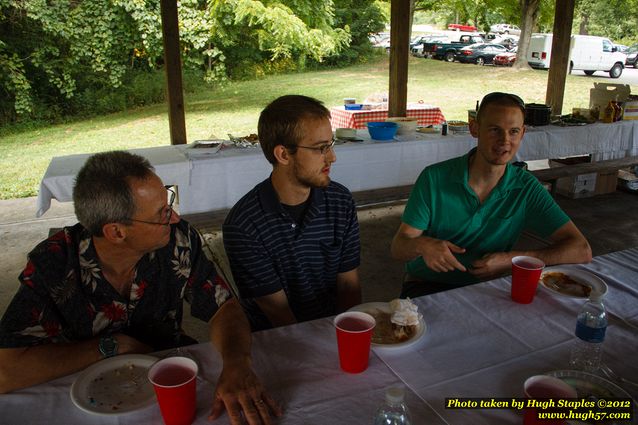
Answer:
(492, 265)
(439, 255)
(240, 392)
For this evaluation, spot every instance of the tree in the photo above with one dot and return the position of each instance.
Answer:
(52, 53)
(529, 15)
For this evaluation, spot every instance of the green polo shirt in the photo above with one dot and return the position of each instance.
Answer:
(443, 205)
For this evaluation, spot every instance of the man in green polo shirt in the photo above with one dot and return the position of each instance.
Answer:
(465, 214)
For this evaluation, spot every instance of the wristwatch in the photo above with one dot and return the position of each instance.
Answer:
(108, 346)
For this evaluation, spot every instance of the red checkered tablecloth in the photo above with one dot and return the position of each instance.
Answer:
(425, 114)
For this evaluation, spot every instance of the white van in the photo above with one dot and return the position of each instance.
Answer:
(586, 52)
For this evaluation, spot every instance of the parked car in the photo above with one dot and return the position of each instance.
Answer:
(380, 40)
(588, 53)
(506, 58)
(461, 27)
(632, 55)
(505, 29)
(416, 48)
(621, 48)
(479, 54)
(509, 41)
(448, 50)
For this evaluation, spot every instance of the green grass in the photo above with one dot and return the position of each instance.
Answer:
(455, 88)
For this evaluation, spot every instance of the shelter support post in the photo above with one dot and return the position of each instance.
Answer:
(559, 62)
(173, 66)
(399, 47)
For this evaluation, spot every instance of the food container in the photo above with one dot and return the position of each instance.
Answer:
(406, 125)
(458, 126)
(537, 114)
(345, 133)
(353, 106)
(382, 130)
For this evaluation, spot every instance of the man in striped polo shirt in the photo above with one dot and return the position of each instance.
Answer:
(293, 240)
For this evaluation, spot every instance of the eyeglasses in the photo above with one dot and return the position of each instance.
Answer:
(323, 149)
(167, 215)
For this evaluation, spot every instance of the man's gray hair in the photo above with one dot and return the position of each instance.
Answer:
(102, 192)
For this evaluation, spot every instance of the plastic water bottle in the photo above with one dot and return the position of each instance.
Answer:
(393, 411)
(591, 326)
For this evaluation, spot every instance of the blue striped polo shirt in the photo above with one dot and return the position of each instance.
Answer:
(268, 251)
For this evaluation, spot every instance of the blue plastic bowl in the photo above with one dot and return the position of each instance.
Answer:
(382, 130)
(353, 106)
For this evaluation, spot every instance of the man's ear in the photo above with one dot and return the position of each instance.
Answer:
(281, 155)
(114, 232)
(474, 128)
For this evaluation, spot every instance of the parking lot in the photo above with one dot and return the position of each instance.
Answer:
(629, 76)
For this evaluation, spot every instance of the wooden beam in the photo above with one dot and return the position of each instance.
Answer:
(173, 67)
(559, 62)
(399, 49)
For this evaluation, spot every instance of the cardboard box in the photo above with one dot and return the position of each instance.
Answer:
(606, 182)
(628, 180)
(602, 93)
(630, 110)
(580, 186)
(584, 185)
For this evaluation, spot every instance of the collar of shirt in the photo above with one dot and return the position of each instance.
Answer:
(270, 201)
(508, 182)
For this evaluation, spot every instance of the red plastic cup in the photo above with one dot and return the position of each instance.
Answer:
(174, 380)
(354, 334)
(541, 388)
(526, 271)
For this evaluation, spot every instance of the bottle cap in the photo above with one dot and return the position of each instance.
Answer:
(394, 395)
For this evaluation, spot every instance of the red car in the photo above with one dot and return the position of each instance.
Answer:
(506, 58)
(461, 27)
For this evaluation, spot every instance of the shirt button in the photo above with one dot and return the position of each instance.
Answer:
(293, 225)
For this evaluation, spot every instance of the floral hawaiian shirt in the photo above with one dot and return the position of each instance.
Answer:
(64, 297)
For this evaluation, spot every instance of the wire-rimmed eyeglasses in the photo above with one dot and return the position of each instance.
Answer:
(323, 149)
(167, 215)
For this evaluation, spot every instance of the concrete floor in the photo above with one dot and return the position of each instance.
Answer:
(609, 222)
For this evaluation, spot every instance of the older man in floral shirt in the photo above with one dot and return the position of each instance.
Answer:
(115, 283)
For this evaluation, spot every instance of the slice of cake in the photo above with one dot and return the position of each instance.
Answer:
(404, 316)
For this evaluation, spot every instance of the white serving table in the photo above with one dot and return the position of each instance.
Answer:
(170, 165)
(478, 343)
(218, 181)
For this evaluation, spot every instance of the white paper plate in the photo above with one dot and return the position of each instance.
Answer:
(115, 385)
(596, 284)
(385, 307)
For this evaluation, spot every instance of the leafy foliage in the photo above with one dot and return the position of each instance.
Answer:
(62, 57)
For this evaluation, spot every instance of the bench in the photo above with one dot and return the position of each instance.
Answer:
(551, 175)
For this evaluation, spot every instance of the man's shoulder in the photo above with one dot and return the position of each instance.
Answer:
(445, 169)
(245, 206)
(338, 190)
(65, 240)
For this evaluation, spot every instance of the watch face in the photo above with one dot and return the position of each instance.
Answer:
(108, 346)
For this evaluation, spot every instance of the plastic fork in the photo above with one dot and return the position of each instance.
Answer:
(609, 373)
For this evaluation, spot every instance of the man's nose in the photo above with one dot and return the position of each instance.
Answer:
(175, 218)
(331, 155)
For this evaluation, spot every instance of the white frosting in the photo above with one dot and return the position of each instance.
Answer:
(404, 312)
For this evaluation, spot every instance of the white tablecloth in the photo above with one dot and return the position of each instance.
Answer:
(217, 182)
(478, 343)
(170, 165)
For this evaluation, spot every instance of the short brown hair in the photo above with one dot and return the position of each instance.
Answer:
(280, 122)
(102, 193)
(502, 99)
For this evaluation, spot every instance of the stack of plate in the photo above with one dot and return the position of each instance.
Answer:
(458, 126)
